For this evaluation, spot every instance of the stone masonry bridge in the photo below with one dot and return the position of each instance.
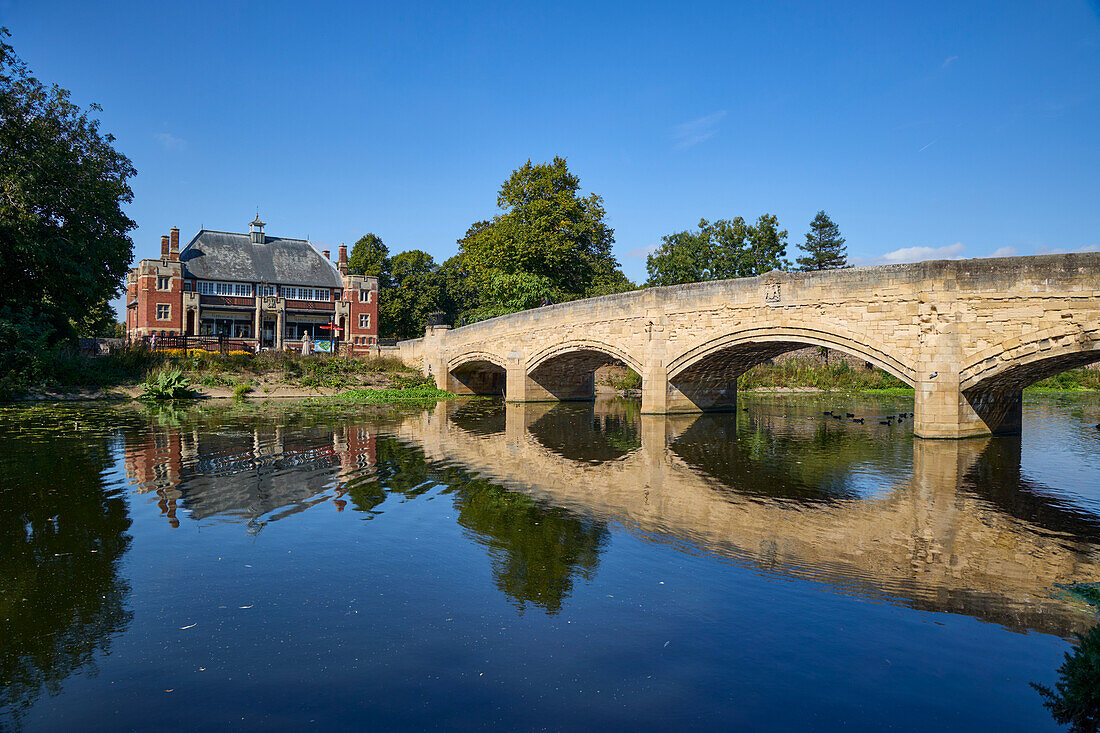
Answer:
(968, 335)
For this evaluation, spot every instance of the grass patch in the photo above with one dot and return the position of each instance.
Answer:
(417, 395)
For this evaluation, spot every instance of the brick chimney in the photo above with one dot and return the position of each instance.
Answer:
(174, 251)
(342, 263)
(164, 246)
(327, 254)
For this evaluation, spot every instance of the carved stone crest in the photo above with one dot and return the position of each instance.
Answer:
(772, 293)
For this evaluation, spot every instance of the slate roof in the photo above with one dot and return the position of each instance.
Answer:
(227, 256)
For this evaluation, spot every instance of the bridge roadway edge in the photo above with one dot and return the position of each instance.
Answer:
(968, 335)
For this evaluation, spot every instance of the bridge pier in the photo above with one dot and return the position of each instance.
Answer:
(660, 396)
(944, 411)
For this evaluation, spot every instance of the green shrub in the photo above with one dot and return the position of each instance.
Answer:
(411, 381)
(241, 390)
(168, 385)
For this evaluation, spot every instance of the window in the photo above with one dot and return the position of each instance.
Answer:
(364, 320)
(365, 296)
(266, 289)
(243, 290)
(164, 311)
(293, 293)
(162, 282)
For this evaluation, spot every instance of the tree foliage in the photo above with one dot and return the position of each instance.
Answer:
(64, 242)
(370, 256)
(719, 250)
(550, 241)
(63, 235)
(824, 246)
(416, 289)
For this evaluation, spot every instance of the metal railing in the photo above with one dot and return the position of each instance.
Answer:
(221, 344)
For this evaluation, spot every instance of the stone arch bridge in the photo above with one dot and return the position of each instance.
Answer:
(967, 335)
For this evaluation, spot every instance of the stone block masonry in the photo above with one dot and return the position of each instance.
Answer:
(968, 335)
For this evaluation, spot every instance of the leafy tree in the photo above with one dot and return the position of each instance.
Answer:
(824, 246)
(370, 256)
(726, 248)
(415, 291)
(549, 239)
(64, 243)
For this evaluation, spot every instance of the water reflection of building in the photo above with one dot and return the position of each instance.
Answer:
(263, 473)
(938, 538)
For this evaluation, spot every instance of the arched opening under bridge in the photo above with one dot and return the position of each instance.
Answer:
(477, 376)
(995, 394)
(705, 378)
(569, 372)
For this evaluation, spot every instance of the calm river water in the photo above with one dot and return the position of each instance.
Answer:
(477, 565)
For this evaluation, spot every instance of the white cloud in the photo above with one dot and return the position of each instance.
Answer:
(948, 61)
(642, 251)
(908, 254)
(1062, 250)
(918, 254)
(1004, 252)
(170, 141)
(691, 133)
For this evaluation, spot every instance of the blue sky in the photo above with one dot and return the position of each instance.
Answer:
(930, 130)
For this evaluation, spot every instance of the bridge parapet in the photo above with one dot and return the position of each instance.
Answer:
(968, 335)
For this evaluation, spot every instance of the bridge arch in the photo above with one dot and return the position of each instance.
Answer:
(705, 375)
(1019, 362)
(477, 372)
(566, 370)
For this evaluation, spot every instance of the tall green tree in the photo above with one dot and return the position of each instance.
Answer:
(64, 242)
(550, 241)
(415, 291)
(370, 256)
(824, 246)
(719, 250)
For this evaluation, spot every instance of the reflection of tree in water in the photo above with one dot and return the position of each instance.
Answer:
(62, 537)
(579, 433)
(1075, 699)
(535, 550)
(753, 460)
(398, 469)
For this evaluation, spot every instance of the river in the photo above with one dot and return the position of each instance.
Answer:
(541, 566)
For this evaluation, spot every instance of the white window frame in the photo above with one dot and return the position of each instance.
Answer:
(292, 292)
(167, 311)
(365, 296)
(214, 287)
(167, 282)
(364, 320)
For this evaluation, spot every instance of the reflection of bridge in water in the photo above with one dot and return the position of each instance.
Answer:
(963, 532)
(936, 525)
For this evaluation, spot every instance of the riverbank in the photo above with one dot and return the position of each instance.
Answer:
(811, 375)
(241, 375)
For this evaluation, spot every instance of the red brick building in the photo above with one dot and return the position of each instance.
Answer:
(265, 291)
